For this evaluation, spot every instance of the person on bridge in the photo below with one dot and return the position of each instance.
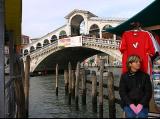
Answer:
(135, 89)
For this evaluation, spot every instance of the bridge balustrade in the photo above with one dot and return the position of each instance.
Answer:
(110, 43)
(102, 42)
(53, 44)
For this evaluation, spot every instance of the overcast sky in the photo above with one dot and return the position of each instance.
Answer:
(40, 17)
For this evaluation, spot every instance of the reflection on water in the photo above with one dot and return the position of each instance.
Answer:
(43, 102)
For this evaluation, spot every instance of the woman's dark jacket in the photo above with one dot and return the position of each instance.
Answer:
(135, 88)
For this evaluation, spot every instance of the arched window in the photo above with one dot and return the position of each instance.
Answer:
(25, 52)
(53, 38)
(32, 49)
(107, 35)
(77, 25)
(38, 46)
(62, 34)
(46, 42)
(94, 31)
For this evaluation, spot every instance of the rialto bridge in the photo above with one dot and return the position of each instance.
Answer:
(81, 37)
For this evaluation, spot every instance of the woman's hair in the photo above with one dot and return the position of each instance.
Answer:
(131, 59)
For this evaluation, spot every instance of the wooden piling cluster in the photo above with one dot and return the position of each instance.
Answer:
(72, 79)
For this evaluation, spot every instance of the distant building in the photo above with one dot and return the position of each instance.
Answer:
(34, 40)
(25, 40)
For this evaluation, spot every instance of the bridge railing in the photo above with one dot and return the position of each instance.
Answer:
(102, 42)
(89, 40)
(55, 43)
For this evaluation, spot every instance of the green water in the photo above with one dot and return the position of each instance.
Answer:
(43, 102)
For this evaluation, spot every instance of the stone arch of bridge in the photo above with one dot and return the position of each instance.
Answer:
(45, 42)
(32, 49)
(26, 52)
(107, 35)
(54, 38)
(65, 55)
(38, 46)
(77, 24)
(94, 31)
(62, 34)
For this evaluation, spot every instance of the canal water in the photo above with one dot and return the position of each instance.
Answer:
(43, 102)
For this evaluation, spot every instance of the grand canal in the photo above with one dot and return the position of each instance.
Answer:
(43, 102)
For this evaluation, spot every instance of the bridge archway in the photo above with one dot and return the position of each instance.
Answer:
(62, 34)
(94, 31)
(77, 25)
(53, 38)
(69, 54)
(25, 52)
(46, 42)
(62, 57)
(32, 49)
(38, 46)
(107, 35)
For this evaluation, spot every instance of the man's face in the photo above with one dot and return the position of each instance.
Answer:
(135, 66)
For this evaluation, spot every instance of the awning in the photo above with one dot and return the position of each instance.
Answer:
(149, 16)
(13, 18)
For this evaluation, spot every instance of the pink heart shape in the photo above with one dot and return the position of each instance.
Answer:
(134, 108)
(138, 108)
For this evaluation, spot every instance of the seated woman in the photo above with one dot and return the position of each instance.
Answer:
(135, 89)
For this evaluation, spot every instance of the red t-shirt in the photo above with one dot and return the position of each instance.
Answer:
(137, 43)
(157, 38)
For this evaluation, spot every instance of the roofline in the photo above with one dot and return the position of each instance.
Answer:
(81, 11)
(108, 19)
(50, 33)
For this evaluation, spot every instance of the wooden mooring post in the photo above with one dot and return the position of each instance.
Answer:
(19, 89)
(2, 60)
(26, 84)
(70, 82)
(83, 79)
(13, 89)
(94, 91)
(66, 81)
(73, 83)
(77, 84)
(56, 79)
(111, 95)
(101, 89)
